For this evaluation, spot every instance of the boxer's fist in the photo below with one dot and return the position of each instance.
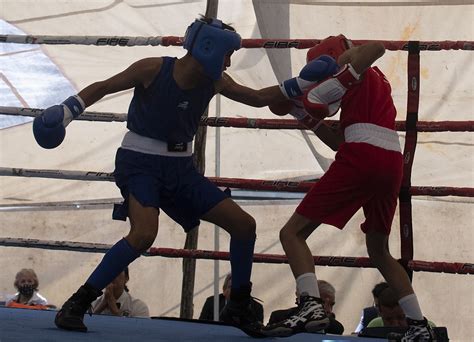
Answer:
(324, 99)
(49, 129)
(313, 72)
(295, 108)
(299, 113)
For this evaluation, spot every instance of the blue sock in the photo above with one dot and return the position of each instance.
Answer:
(241, 257)
(115, 260)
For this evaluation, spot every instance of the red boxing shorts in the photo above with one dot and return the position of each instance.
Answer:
(364, 176)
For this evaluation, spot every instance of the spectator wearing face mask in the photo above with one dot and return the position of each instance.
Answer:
(28, 297)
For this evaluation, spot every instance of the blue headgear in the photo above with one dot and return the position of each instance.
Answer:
(209, 44)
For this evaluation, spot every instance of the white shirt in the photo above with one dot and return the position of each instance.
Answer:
(36, 299)
(128, 306)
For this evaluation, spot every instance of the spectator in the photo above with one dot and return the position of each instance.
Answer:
(117, 301)
(28, 297)
(390, 311)
(207, 312)
(371, 312)
(328, 296)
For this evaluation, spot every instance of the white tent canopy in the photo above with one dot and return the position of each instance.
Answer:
(43, 75)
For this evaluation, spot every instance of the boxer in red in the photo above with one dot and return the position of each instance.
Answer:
(366, 173)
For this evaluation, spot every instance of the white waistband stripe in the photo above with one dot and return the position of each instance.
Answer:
(138, 143)
(373, 135)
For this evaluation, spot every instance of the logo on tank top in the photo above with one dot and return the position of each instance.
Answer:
(183, 105)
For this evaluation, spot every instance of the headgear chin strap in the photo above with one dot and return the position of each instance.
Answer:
(333, 46)
(209, 43)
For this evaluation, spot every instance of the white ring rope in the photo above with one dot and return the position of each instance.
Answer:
(127, 41)
(88, 116)
(83, 40)
(58, 174)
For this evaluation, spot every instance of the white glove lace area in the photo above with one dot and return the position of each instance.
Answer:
(298, 110)
(67, 116)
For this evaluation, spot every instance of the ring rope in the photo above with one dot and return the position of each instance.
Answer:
(246, 43)
(240, 183)
(340, 261)
(412, 107)
(421, 126)
(101, 203)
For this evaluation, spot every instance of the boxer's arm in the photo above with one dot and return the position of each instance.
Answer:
(311, 73)
(49, 129)
(139, 73)
(252, 97)
(281, 108)
(324, 99)
(363, 56)
(331, 137)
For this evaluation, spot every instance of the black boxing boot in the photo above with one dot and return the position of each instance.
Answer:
(71, 315)
(238, 312)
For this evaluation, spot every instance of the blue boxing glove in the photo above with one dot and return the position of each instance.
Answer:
(49, 128)
(316, 70)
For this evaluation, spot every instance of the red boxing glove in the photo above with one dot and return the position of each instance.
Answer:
(299, 113)
(324, 99)
(296, 109)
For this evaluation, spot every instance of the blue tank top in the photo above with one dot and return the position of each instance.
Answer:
(165, 112)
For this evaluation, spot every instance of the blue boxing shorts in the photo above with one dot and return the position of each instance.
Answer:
(170, 183)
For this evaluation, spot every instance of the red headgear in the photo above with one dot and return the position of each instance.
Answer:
(333, 46)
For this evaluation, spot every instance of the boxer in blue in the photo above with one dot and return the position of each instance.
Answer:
(154, 168)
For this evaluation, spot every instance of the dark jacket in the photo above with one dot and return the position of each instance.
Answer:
(369, 314)
(207, 312)
(335, 327)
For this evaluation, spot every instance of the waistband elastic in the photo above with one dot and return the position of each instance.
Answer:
(373, 135)
(138, 143)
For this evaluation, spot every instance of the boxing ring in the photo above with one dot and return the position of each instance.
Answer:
(411, 126)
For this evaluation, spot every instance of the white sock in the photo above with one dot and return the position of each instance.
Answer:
(410, 307)
(307, 283)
